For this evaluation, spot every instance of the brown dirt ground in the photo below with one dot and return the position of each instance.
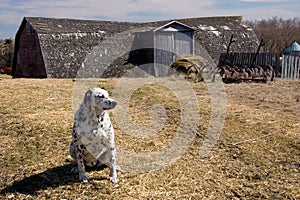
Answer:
(244, 164)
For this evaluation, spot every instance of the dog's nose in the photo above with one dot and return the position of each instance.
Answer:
(113, 104)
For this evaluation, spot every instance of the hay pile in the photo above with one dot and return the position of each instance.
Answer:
(256, 156)
(191, 67)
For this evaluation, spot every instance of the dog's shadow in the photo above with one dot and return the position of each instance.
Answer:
(50, 178)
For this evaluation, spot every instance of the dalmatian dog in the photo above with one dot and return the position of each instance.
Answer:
(93, 142)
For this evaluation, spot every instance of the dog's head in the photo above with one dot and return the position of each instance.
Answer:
(98, 99)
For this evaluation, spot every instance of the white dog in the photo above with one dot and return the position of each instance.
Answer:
(93, 135)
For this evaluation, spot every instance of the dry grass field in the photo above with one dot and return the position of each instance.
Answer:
(257, 155)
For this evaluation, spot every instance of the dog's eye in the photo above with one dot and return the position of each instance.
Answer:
(101, 96)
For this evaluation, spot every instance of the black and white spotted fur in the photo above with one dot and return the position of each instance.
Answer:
(93, 135)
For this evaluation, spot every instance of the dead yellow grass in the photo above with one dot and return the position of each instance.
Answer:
(245, 164)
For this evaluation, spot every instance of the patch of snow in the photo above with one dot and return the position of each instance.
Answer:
(97, 34)
(225, 28)
(245, 25)
(210, 29)
(243, 35)
(217, 33)
(248, 28)
(75, 35)
(207, 28)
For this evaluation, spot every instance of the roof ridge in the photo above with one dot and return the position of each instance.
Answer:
(136, 22)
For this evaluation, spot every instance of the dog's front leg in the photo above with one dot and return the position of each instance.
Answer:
(80, 164)
(113, 165)
(76, 146)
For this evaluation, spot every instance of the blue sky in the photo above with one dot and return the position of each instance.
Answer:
(13, 11)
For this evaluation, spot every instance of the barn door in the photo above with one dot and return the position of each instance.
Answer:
(183, 43)
(164, 46)
(164, 52)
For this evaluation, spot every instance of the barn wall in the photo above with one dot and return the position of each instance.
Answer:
(29, 61)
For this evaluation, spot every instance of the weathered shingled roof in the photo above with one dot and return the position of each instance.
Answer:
(59, 25)
(66, 42)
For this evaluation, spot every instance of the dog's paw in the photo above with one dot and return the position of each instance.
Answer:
(83, 178)
(113, 179)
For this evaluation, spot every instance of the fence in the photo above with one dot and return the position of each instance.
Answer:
(248, 59)
(290, 67)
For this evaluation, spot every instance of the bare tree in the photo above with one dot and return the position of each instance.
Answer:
(276, 32)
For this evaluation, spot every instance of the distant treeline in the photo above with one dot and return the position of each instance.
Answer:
(6, 53)
(277, 33)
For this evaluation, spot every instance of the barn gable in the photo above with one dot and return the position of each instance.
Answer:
(57, 47)
(174, 26)
(28, 60)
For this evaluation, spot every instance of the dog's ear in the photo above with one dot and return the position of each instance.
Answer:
(87, 97)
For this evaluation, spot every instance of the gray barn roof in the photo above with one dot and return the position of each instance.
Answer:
(66, 42)
(58, 25)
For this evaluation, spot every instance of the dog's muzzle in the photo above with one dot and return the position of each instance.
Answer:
(113, 104)
(110, 104)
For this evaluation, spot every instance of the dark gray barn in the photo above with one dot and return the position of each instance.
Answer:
(57, 48)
